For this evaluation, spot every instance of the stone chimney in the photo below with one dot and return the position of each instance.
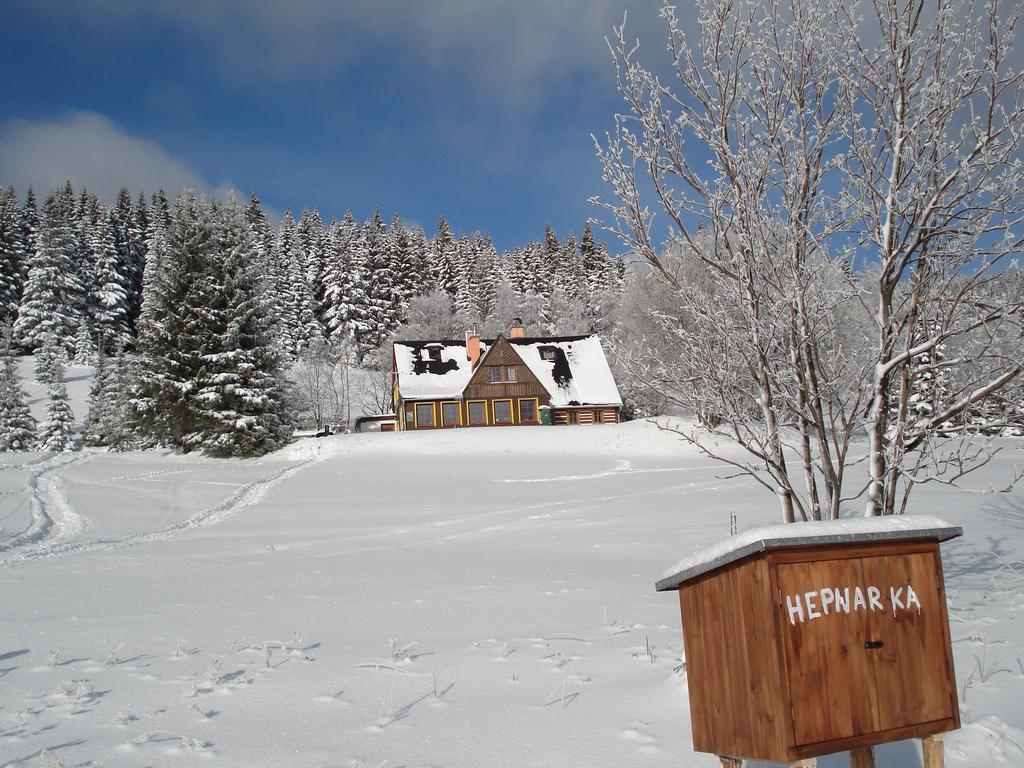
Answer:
(516, 331)
(472, 346)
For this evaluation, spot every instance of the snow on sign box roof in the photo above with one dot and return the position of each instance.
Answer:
(847, 531)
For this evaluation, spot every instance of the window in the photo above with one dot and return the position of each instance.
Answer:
(527, 411)
(502, 411)
(434, 351)
(450, 415)
(424, 414)
(410, 417)
(477, 413)
(547, 353)
(500, 373)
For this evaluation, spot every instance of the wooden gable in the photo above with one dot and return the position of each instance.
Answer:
(503, 355)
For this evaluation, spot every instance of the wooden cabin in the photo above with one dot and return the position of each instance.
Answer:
(510, 380)
(812, 638)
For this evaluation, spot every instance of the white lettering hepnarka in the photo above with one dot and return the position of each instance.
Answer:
(816, 603)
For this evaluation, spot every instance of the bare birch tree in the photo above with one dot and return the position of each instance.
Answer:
(934, 192)
(739, 152)
(782, 151)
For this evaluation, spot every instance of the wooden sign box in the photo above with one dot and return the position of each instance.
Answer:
(814, 638)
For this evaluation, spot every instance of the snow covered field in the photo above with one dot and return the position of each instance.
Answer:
(463, 599)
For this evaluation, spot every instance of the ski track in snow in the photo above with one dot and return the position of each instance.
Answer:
(44, 459)
(505, 519)
(52, 515)
(623, 467)
(558, 510)
(41, 545)
(136, 476)
(55, 520)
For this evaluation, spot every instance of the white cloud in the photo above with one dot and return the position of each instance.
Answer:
(511, 53)
(92, 151)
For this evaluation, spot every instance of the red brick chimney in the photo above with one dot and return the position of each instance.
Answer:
(516, 331)
(472, 346)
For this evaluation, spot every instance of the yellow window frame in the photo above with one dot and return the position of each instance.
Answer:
(469, 422)
(416, 412)
(536, 409)
(458, 410)
(511, 411)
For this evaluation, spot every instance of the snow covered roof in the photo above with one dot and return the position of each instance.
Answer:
(421, 376)
(573, 369)
(846, 531)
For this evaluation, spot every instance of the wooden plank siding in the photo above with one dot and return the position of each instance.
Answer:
(410, 421)
(491, 393)
(503, 356)
(606, 415)
(732, 667)
(506, 389)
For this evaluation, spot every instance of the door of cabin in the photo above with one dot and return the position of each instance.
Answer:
(861, 666)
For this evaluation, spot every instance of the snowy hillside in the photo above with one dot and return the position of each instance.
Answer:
(460, 599)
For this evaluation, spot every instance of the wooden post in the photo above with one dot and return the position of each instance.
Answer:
(931, 749)
(862, 758)
(730, 762)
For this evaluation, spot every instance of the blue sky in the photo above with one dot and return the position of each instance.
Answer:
(481, 111)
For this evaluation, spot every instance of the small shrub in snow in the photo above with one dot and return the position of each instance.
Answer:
(988, 665)
(50, 360)
(46, 761)
(402, 653)
(22, 724)
(82, 692)
(57, 435)
(388, 713)
(558, 694)
(112, 651)
(204, 714)
(85, 347)
(213, 673)
(124, 719)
